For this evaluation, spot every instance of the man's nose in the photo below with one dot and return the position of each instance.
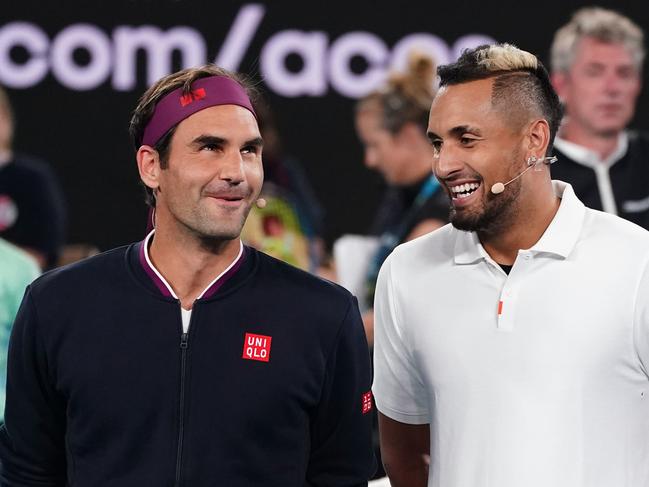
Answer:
(231, 169)
(613, 83)
(445, 162)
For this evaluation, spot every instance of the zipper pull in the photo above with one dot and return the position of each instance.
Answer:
(183, 340)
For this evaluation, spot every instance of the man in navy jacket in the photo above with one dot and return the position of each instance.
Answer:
(188, 358)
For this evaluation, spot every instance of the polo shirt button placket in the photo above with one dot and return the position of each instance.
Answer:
(505, 308)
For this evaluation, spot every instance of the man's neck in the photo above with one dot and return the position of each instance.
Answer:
(602, 144)
(5, 156)
(524, 230)
(188, 264)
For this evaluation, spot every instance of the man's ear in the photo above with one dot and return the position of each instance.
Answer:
(538, 138)
(148, 164)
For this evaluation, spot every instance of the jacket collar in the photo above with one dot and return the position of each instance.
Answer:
(586, 157)
(140, 261)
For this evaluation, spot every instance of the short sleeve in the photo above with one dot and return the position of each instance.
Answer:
(398, 389)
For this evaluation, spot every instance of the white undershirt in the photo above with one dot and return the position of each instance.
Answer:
(185, 314)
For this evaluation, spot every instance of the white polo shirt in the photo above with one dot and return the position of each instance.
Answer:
(536, 379)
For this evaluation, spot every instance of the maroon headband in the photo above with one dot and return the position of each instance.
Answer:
(177, 106)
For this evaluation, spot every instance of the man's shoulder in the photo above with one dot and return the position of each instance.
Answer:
(298, 280)
(612, 230)
(24, 165)
(639, 140)
(432, 247)
(88, 272)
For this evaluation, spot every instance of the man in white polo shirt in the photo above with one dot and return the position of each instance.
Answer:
(512, 347)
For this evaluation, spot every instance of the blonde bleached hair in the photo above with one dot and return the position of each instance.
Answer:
(506, 57)
(600, 24)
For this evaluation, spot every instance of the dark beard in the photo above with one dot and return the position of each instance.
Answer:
(499, 211)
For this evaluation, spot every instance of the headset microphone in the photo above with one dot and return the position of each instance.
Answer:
(532, 162)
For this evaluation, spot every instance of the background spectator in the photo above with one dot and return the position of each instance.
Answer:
(391, 124)
(290, 226)
(17, 270)
(32, 209)
(597, 71)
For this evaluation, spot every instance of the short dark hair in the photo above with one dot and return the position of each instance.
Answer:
(521, 82)
(149, 100)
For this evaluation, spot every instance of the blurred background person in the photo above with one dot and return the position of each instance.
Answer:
(391, 124)
(32, 208)
(289, 226)
(596, 62)
(17, 270)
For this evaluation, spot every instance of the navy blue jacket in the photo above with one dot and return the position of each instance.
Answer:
(104, 389)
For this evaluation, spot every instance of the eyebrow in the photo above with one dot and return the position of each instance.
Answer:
(208, 140)
(455, 132)
(215, 140)
(257, 142)
(462, 129)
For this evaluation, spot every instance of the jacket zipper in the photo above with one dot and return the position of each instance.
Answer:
(183, 363)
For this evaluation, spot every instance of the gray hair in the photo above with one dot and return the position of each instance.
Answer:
(601, 24)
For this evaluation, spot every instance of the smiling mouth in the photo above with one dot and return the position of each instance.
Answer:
(462, 191)
(232, 201)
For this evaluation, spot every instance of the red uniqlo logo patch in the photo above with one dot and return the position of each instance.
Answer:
(256, 347)
(367, 402)
(198, 94)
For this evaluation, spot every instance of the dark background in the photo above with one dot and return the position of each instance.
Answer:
(83, 134)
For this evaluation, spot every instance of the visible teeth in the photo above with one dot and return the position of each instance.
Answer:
(464, 188)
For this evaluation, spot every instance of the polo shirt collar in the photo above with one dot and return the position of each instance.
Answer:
(559, 238)
(589, 158)
(163, 286)
(563, 232)
(468, 249)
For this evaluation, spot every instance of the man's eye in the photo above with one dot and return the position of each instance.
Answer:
(250, 149)
(466, 140)
(210, 147)
(437, 146)
(626, 73)
(593, 71)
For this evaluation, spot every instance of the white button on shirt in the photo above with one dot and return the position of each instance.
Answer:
(533, 379)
